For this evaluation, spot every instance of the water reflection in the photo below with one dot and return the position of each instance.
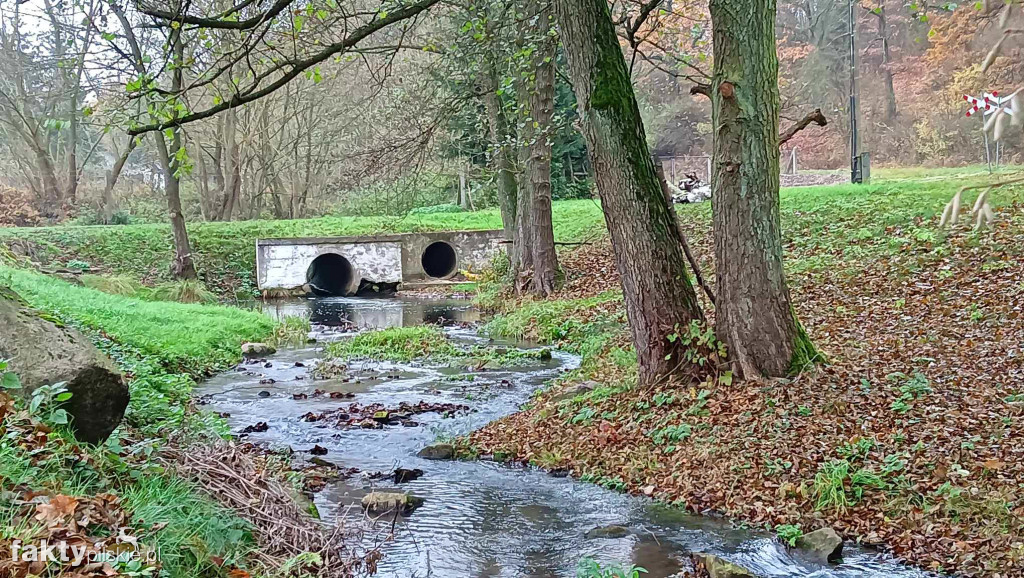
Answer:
(379, 313)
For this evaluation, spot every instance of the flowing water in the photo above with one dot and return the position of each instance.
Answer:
(480, 518)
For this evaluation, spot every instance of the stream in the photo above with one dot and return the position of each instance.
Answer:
(480, 518)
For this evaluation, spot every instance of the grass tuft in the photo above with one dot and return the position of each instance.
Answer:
(112, 284)
(184, 291)
(395, 344)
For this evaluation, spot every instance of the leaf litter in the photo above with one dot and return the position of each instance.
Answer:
(909, 439)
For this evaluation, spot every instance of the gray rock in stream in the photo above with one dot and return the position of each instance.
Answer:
(257, 350)
(438, 452)
(718, 568)
(822, 545)
(607, 532)
(384, 502)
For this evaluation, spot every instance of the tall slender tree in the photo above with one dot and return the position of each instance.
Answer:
(183, 266)
(754, 313)
(534, 260)
(542, 109)
(648, 252)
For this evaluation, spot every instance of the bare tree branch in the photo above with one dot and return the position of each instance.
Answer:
(814, 116)
(297, 67)
(218, 22)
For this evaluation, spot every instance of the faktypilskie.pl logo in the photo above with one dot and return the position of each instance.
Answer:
(79, 553)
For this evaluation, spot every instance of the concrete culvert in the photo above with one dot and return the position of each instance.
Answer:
(330, 274)
(439, 260)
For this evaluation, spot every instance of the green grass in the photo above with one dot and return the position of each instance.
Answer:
(400, 344)
(823, 226)
(197, 527)
(426, 342)
(192, 338)
(113, 284)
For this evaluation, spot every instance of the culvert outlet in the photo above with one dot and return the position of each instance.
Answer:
(330, 274)
(439, 260)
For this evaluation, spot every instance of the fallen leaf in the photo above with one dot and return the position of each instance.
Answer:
(57, 509)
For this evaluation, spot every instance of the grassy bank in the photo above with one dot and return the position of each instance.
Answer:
(909, 440)
(162, 348)
(840, 224)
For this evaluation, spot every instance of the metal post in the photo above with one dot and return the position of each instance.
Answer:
(854, 156)
(988, 154)
(709, 170)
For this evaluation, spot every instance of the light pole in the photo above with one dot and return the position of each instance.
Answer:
(855, 168)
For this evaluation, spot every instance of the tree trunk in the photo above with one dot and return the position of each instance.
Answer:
(71, 192)
(754, 315)
(233, 185)
(183, 266)
(542, 109)
(502, 154)
(890, 90)
(522, 240)
(218, 171)
(111, 179)
(50, 187)
(648, 254)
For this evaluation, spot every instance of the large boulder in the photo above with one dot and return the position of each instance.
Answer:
(43, 352)
(823, 545)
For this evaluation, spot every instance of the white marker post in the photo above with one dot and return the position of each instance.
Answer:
(990, 103)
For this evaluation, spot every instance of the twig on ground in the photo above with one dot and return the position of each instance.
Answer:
(283, 530)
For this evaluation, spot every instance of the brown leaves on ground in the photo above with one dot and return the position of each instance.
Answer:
(911, 439)
(90, 525)
(57, 510)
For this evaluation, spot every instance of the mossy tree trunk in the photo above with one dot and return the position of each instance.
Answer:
(542, 111)
(754, 314)
(648, 253)
(534, 260)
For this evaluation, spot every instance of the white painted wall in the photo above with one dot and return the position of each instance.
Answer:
(285, 266)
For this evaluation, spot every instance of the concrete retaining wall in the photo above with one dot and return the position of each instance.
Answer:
(283, 264)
